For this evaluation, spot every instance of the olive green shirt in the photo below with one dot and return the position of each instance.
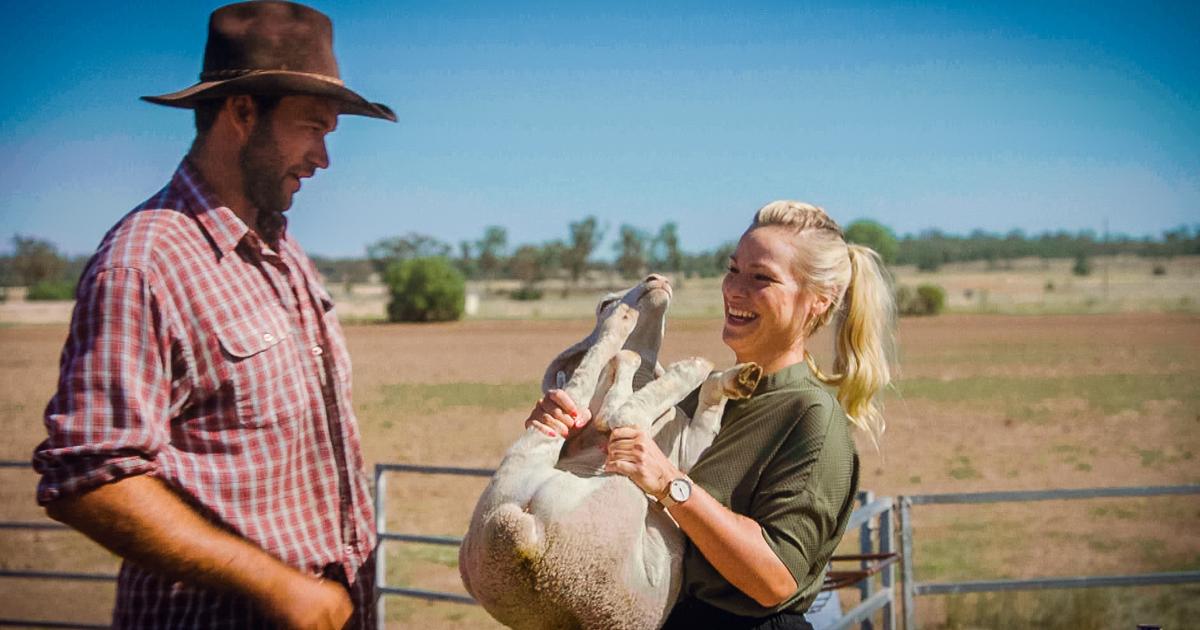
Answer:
(784, 457)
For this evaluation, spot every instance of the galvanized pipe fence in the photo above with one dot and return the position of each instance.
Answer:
(876, 519)
(913, 589)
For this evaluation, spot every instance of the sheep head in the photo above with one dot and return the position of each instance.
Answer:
(649, 299)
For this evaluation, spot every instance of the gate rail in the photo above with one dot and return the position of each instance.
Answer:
(874, 518)
(913, 589)
(73, 576)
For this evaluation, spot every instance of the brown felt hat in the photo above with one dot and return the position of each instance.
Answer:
(271, 48)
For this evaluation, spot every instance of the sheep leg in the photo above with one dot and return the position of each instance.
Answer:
(659, 396)
(613, 333)
(624, 365)
(736, 383)
(531, 460)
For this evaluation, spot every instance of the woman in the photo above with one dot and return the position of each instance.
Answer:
(767, 503)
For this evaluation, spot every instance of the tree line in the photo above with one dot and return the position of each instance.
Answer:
(37, 263)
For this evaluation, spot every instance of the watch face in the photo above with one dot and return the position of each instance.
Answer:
(680, 490)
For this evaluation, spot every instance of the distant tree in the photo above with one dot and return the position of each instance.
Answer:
(585, 236)
(466, 261)
(425, 290)
(710, 263)
(348, 271)
(552, 256)
(876, 236)
(929, 257)
(384, 252)
(35, 261)
(491, 250)
(1083, 266)
(526, 265)
(664, 250)
(631, 252)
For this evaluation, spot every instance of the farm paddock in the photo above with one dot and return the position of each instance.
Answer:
(982, 403)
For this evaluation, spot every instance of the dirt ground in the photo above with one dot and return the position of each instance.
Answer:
(981, 403)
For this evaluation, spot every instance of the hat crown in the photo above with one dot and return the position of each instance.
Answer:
(268, 35)
(275, 48)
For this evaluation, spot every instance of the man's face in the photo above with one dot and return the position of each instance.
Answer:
(285, 146)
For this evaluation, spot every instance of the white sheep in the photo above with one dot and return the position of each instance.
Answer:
(554, 542)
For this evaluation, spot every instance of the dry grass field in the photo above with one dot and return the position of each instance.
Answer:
(983, 402)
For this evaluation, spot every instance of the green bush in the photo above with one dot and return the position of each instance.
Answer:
(1083, 266)
(926, 299)
(933, 297)
(526, 294)
(51, 290)
(425, 290)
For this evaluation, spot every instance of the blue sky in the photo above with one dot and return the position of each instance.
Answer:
(1032, 116)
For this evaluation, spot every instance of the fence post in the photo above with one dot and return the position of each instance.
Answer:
(380, 548)
(866, 545)
(906, 563)
(887, 542)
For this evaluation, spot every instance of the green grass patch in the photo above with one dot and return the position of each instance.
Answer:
(1166, 606)
(1115, 511)
(1102, 546)
(430, 398)
(962, 469)
(1157, 457)
(1019, 396)
(406, 562)
(407, 554)
(1072, 454)
(955, 553)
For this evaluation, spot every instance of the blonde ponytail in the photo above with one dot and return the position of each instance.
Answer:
(861, 339)
(853, 277)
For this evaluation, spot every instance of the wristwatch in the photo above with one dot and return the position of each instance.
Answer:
(678, 491)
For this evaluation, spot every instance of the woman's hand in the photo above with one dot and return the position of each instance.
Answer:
(632, 453)
(556, 415)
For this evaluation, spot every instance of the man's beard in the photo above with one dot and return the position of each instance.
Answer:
(263, 173)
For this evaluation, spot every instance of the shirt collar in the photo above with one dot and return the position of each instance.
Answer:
(223, 226)
(790, 375)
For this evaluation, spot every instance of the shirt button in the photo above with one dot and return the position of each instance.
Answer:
(317, 351)
(268, 337)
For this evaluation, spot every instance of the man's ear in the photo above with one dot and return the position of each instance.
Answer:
(242, 113)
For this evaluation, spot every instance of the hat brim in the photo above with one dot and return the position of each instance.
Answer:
(276, 83)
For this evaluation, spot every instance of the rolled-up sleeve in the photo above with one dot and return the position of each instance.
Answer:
(109, 417)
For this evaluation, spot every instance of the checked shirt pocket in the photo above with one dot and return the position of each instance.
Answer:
(261, 369)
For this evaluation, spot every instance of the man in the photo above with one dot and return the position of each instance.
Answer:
(202, 428)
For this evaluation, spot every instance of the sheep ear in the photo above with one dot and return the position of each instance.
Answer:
(565, 364)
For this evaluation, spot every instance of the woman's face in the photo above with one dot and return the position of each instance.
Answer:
(765, 303)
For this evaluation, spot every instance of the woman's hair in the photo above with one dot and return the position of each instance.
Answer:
(852, 278)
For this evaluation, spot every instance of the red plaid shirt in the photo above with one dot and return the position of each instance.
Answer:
(200, 356)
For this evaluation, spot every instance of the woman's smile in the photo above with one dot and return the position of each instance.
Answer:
(738, 317)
